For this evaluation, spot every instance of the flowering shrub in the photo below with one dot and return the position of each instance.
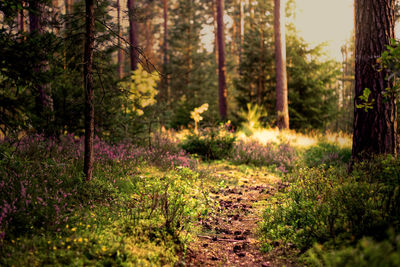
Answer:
(41, 177)
(140, 199)
(283, 156)
(165, 152)
(35, 192)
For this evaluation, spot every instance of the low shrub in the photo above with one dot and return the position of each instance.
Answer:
(210, 143)
(328, 206)
(326, 154)
(367, 253)
(283, 156)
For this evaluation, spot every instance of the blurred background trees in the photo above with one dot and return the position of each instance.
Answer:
(41, 74)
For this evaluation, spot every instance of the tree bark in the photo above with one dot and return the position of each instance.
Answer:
(241, 31)
(44, 101)
(223, 92)
(215, 23)
(261, 78)
(35, 16)
(120, 67)
(148, 32)
(68, 25)
(21, 18)
(89, 88)
(133, 48)
(375, 129)
(165, 80)
(280, 61)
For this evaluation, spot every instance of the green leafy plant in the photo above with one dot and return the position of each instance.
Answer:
(140, 90)
(252, 118)
(195, 115)
(328, 206)
(367, 252)
(327, 154)
(366, 104)
(390, 61)
(210, 143)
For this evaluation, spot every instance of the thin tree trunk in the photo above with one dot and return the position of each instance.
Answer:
(232, 48)
(21, 19)
(165, 80)
(148, 32)
(120, 67)
(223, 92)
(214, 10)
(68, 12)
(260, 87)
(133, 34)
(89, 88)
(241, 32)
(251, 7)
(375, 129)
(280, 61)
(35, 16)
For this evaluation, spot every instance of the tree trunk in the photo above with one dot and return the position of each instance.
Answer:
(89, 88)
(223, 92)
(120, 67)
(214, 10)
(148, 32)
(280, 61)
(35, 16)
(44, 101)
(241, 31)
(251, 10)
(133, 48)
(374, 129)
(165, 80)
(21, 19)
(261, 78)
(68, 25)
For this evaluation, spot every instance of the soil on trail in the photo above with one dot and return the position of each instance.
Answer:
(229, 236)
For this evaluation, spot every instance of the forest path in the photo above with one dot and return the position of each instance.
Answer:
(229, 236)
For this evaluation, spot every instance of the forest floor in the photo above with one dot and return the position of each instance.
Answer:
(229, 236)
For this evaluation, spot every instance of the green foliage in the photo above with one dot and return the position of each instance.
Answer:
(20, 54)
(210, 143)
(255, 83)
(140, 90)
(326, 154)
(366, 104)
(251, 118)
(390, 61)
(330, 207)
(367, 252)
(313, 103)
(191, 68)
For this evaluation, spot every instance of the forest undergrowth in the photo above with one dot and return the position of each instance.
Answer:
(151, 205)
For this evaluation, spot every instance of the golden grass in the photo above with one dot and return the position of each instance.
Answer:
(273, 135)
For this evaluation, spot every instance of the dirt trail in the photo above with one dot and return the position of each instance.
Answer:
(228, 237)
